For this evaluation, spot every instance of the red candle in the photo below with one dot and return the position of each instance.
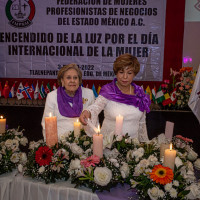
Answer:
(51, 130)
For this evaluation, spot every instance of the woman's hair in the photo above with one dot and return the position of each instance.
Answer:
(65, 68)
(126, 60)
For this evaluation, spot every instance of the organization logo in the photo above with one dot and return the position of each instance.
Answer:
(20, 13)
(197, 5)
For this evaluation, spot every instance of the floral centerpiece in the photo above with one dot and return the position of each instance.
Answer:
(10, 153)
(125, 160)
(177, 92)
(154, 181)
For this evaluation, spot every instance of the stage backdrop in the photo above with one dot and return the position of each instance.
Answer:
(38, 37)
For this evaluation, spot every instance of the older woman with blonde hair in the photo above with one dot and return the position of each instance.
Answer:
(68, 100)
(122, 96)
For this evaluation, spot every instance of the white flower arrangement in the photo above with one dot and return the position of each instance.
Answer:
(10, 153)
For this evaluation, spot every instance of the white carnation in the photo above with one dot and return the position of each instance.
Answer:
(24, 141)
(176, 183)
(76, 149)
(152, 160)
(41, 169)
(102, 176)
(173, 193)
(75, 164)
(168, 187)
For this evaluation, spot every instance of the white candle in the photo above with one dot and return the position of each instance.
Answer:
(77, 128)
(98, 144)
(169, 158)
(2, 125)
(119, 125)
(163, 147)
(51, 130)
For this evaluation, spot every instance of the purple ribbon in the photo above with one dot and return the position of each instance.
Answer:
(65, 108)
(139, 99)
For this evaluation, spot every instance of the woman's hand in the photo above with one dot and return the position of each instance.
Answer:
(84, 117)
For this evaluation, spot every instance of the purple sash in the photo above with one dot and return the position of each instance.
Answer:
(140, 99)
(65, 108)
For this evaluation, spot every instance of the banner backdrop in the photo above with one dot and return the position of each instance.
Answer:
(38, 37)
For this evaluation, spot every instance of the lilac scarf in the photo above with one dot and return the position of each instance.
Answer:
(140, 99)
(65, 108)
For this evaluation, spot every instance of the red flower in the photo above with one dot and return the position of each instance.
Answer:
(43, 155)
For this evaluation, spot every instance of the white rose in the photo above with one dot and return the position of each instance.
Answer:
(173, 193)
(194, 191)
(102, 176)
(124, 169)
(75, 164)
(197, 164)
(76, 149)
(168, 187)
(178, 162)
(20, 168)
(24, 141)
(41, 169)
(8, 143)
(153, 193)
(192, 156)
(14, 158)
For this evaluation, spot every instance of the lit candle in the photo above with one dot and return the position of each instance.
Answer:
(51, 130)
(163, 147)
(169, 158)
(98, 144)
(77, 128)
(119, 125)
(2, 125)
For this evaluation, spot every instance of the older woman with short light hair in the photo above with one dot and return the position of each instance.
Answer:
(68, 100)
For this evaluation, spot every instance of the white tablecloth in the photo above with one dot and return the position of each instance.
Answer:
(6, 182)
(25, 188)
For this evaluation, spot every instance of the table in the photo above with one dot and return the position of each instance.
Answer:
(14, 186)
